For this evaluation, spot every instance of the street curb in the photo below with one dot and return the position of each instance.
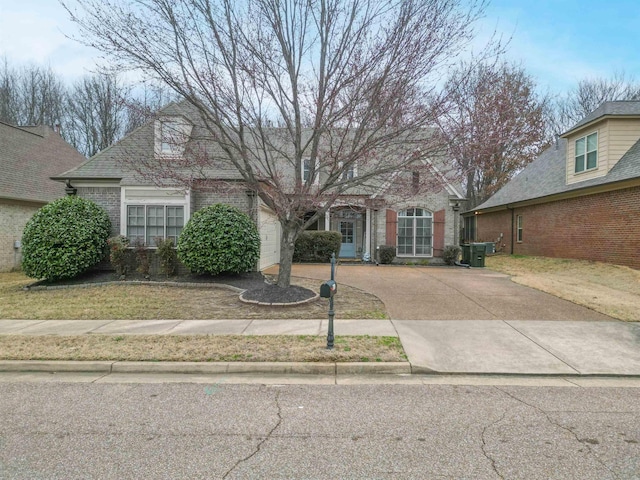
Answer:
(280, 368)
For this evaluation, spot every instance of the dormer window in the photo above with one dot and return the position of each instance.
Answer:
(308, 170)
(586, 153)
(171, 136)
(349, 172)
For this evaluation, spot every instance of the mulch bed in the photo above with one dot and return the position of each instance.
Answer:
(258, 287)
(276, 294)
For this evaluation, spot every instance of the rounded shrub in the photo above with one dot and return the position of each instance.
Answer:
(219, 239)
(64, 238)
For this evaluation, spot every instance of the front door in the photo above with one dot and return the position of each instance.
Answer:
(348, 232)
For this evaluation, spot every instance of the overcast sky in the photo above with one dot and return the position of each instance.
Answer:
(558, 41)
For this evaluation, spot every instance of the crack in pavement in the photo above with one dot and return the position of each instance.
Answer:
(484, 443)
(582, 441)
(267, 437)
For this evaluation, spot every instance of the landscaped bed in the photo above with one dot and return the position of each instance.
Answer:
(201, 348)
(123, 300)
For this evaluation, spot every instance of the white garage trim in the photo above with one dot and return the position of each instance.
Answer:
(269, 228)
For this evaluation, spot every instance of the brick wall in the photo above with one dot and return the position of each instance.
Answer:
(239, 199)
(495, 227)
(109, 199)
(602, 227)
(13, 218)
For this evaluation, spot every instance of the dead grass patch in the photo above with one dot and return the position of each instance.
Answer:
(201, 348)
(613, 290)
(147, 302)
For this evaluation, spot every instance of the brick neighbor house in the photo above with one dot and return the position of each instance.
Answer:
(138, 208)
(579, 199)
(28, 156)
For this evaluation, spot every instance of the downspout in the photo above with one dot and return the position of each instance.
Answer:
(512, 220)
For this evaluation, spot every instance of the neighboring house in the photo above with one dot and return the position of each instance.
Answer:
(579, 199)
(138, 209)
(28, 156)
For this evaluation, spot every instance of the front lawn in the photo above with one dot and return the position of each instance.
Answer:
(613, 290)
(146, 302)
(201, 348)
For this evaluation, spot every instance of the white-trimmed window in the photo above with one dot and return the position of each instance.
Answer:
(172, 134)
(519, 228)
(148, 213)
(586, 153)
(348, 173)
(307, 170)
(415, 233)
(147, 222)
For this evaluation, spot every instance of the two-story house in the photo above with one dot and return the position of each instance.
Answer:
(29, 155)
(139, 208)
(579, 199)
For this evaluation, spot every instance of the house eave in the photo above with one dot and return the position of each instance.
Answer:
(595, 121)
(581, 192)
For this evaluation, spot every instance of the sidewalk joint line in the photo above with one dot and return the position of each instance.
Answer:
(96, 328)
(246, 327)
(543, 348)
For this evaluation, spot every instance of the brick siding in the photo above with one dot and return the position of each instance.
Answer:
(109, 199)
(602, 227)
(13, 218)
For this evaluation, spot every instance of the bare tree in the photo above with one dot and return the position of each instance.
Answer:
(495, 126)
(9, 99)
(589, 94)
(31, 95)
(145, 102)
(97, 113)
(351, 83)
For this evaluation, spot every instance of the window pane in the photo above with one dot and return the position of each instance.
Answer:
(580, 147)
(135, 223)
(592, 142)
(155, 224)
(580, 163)
(405, 236)
(592, 159)
(175, 222)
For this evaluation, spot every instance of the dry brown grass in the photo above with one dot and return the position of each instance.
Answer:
(613, 290)
(144, 302)
(201, 348)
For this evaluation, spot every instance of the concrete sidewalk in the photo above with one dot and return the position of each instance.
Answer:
(563, 348)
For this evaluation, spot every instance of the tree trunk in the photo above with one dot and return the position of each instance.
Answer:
(287, 246)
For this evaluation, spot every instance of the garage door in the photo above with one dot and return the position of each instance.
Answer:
(269, 238)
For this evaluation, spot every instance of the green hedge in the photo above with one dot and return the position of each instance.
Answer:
(317, 246)
(219, 239)
(64, 238)
(451, 254)
(387, 253)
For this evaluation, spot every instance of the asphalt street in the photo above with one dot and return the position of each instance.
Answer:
(218, 428)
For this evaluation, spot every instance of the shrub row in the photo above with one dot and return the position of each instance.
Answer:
(317, 246)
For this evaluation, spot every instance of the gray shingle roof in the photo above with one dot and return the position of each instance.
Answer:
(618, 108)
(546, 176)
(111, 163)
(29, 156)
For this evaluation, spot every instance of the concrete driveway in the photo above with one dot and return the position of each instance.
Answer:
(457, 320)
(446, 293)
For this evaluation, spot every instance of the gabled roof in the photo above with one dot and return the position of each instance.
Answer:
(624, 108)
(109, 164)
(546, 175)
(29, 156)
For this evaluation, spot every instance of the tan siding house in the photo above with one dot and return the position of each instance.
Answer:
(28, 157)
(579, 199)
